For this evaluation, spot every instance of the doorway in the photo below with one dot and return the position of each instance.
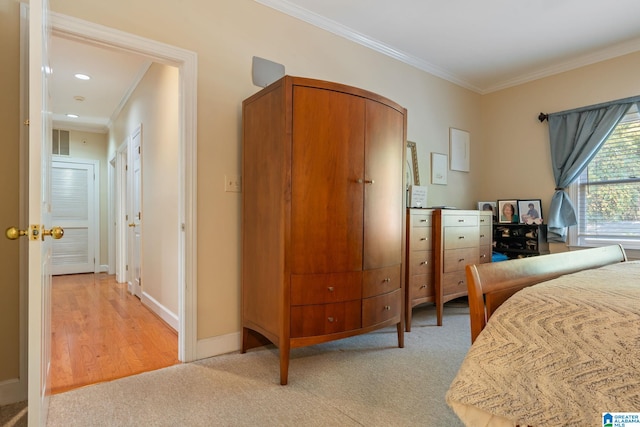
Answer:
(185, 62)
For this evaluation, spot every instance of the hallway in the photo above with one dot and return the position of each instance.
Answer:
(101, 332)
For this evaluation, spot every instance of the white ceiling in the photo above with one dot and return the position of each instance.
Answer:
(481, 45)
(114, 74)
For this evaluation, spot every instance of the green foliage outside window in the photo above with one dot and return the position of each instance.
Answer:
(610, 189)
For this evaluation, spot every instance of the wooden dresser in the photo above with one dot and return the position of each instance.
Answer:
(323, 226)
(420, 261)
(461, 237)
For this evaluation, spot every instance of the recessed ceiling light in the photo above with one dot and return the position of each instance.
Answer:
(82, 76)
(73, 116)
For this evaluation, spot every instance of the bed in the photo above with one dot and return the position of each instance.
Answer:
(561, 352)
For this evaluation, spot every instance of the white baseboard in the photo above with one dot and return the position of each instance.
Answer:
(170, 318)
(12, 391)
(216, 346)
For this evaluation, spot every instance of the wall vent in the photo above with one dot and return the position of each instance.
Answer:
(60, 142)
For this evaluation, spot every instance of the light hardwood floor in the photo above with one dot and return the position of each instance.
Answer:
(101, 332)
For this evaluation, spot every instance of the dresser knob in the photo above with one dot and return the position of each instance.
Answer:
(461, 282)
(387, 280)
(423, 239)
(424, 263)
(461, 220)
(460, 237)
(482, 235)
(483, 256)
(387, 307)
(332, 320)
(423, 220)
(330, 288)
(423, 286)
(461, 259)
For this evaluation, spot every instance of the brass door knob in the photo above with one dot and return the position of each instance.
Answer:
(13, 233)
(55, 232)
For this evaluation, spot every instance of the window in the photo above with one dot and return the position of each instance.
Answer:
(607, 193)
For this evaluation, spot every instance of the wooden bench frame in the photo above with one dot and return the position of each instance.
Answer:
(491, 284)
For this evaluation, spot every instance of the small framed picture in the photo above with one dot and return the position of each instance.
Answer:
(508, 211)
(530, 211)
(488, 206)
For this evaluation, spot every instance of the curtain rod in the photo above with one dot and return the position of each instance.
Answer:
(543, 116)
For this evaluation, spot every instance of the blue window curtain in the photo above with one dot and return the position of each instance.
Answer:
(575, 137)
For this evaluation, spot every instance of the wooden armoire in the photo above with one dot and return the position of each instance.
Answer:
(323, 205)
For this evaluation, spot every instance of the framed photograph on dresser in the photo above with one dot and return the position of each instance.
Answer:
(488, 206)
(530, 211)
(508, 211)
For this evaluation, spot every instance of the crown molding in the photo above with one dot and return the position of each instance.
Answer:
(314, 19)
(350, 34)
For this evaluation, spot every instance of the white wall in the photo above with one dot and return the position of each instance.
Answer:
(154, 104)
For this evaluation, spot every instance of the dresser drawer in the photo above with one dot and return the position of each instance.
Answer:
(420, 220)
(457, 259)
(454, 283)
(380, 308)
(485, 253)
(486, 218)
(461, 237)
(421, 262)
(421, 239)
(380, 281)
(325, 288)
(324, 319)
(421, 286)
(461, 220)
(486, 237)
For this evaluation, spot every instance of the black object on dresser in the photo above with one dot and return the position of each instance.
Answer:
(520, 240)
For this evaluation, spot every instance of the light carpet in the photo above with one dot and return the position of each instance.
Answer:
(360, 381)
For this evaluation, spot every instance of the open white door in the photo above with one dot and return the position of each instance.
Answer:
(134, 213)
(39, 318)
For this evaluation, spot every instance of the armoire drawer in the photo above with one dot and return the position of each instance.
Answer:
(324, 319)
(380, 281)
(381, 308)
(325, 288)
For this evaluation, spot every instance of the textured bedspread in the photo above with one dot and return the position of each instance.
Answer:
(558, 353)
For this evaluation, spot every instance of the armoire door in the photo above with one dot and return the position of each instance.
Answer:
(383, 209)
(327, 181)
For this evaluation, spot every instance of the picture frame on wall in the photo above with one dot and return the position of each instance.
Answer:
(439, 168)
(530, 211)
(413, 175)
(459, 149)
(508, 211)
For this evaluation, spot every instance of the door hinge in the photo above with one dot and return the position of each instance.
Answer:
(138, 149)
(139, 216)
(26, 122)
(126, 267)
